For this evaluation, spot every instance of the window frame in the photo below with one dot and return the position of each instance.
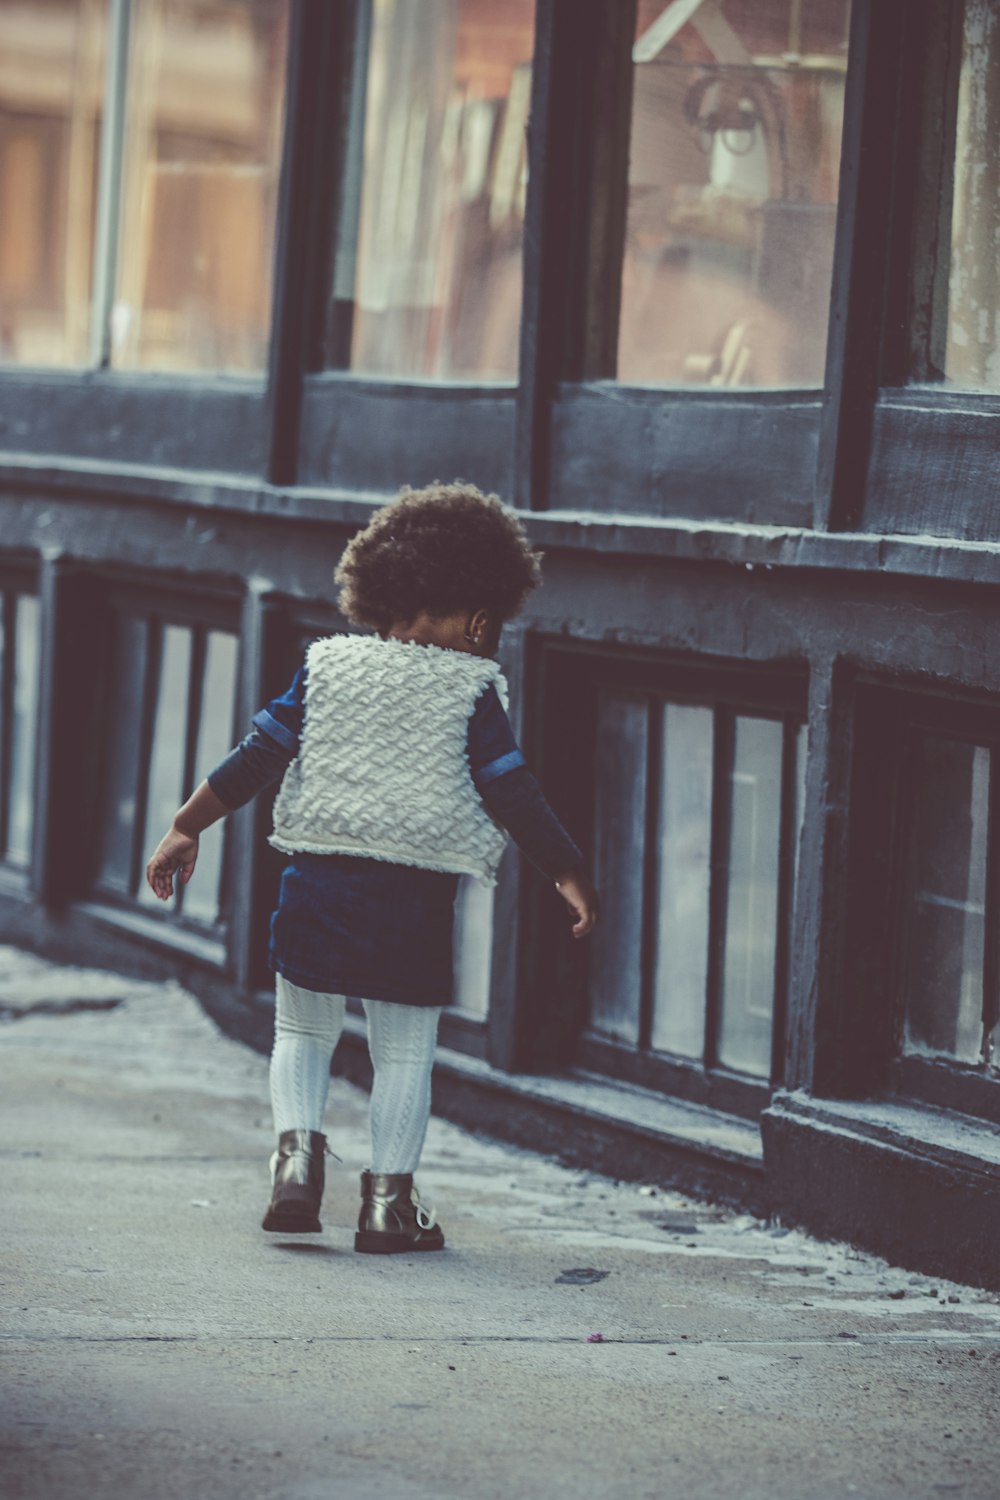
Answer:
(899, 454)
(774, 691)
(941, 1080)
(889, 714)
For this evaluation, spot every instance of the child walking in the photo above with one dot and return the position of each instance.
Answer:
(399, 772)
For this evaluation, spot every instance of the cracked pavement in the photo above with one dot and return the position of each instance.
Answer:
(157, 1344)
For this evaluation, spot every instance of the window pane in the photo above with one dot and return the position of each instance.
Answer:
(120, 809)
(51, 82)
(473, 945)
(202, 151)
(946, 900)
(215, 735)
(619, 839)
(972, 353)
(733, 173)
(166, 768)
(427, 277)
(685, 838)
(752, 901)
(27, 619)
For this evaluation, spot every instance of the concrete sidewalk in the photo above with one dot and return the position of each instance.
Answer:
(157, 1344)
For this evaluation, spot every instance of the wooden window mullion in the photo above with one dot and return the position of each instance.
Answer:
(150, 694)
(196, 682)
(722, 808)
(991, 926)
(650, 856)
(7, 611)
(786, 868)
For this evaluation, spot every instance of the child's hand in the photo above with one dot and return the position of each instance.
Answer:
(583, 901)
(176, 852)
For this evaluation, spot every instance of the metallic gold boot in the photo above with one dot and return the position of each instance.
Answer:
(393, 1219)
(297, 1170)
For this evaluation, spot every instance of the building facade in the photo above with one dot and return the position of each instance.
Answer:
(710, 291)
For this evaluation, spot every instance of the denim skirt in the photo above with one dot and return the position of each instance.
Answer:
(364, 927)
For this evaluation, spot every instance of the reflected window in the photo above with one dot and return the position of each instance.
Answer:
(173, 689)
(966, 342)
(51, 106)
(427, 266)
(139, 235)
(733, 176)
(199, 184)
(20, 643)
(697, 818)
(947, 1011)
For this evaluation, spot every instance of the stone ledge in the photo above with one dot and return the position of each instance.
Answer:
(919, 1185)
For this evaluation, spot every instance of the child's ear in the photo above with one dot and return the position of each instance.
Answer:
(477, 627)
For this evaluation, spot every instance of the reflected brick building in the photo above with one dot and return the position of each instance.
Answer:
(709, 291)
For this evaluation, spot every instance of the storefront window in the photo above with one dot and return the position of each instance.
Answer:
(427, 271)
(945, 926)
(139, 236)
(733, 176)
(199, 184)
(51, 86)
(686, 960)
(971, 353)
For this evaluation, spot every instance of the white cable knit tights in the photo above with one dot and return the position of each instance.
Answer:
(401, 1039)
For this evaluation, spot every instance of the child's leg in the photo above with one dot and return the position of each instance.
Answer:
(401, 1041)
(307, 1027)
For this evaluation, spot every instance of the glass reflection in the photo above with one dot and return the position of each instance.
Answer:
(473, 946)
(125, 739)
(946, 900)
(748, 976)
(619, 837)
(166, 767)
(199, 190)
(427, 274)
(203, 896)
(733, 178)
(972, 353)
(684, 880)
(51, 87)
(27, 644)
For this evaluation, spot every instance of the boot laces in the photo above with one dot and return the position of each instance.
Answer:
(426, 1217)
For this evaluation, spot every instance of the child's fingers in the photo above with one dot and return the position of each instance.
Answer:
(160, 879)
(586, 923)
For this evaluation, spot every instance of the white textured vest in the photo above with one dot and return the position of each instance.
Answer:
(383, 769)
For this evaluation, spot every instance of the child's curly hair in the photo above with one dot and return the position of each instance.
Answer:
(443, 549)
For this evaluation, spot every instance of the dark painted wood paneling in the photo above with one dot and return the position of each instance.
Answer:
(934, 468)
(857, 301)
(376, 436)
(305, 212)
(749, 458)
(150, 420)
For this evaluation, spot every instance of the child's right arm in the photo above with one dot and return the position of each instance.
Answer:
(258, 761)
